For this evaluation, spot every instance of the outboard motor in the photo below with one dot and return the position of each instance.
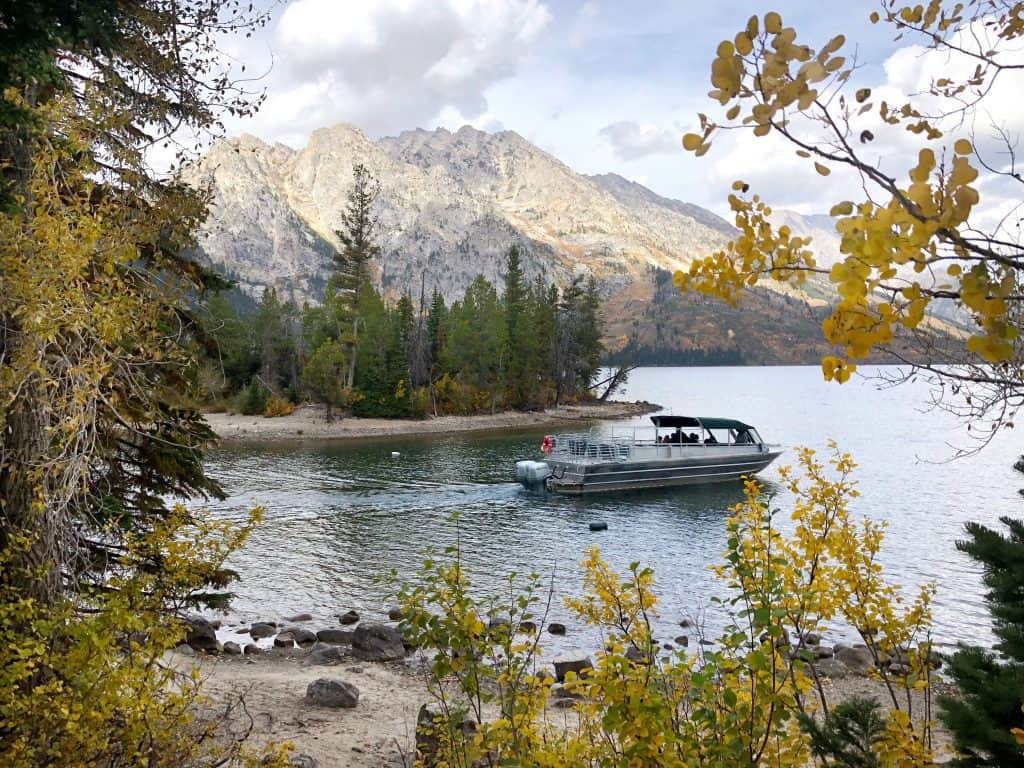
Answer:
(532, 474)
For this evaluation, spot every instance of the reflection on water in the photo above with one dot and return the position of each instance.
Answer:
(340, 515)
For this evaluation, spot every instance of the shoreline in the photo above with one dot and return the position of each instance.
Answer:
(380, 731)
(309, 423)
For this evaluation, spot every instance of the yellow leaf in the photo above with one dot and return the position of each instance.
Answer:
(823, 170)
(772, 22)
(733, 112)
(744, 45)
(963, 147)
(844, 208)
(691, 142)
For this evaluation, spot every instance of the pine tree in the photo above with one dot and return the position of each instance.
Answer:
(518, 384)
(991, 683)
(352, 263)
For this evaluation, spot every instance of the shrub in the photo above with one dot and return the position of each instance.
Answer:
(252, 400)
(736, 704)
(83, 683)
(278, 406)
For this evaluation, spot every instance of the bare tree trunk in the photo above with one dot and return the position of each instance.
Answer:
(350, 381)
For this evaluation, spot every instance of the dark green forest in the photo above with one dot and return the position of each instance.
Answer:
(529, 347)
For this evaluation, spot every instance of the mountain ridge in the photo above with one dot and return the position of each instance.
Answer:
(450, 205)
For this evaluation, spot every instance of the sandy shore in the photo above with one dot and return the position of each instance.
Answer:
(310, 423)
(380, 730)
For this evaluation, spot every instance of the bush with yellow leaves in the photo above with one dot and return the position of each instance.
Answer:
(86, 682)
(736, 704)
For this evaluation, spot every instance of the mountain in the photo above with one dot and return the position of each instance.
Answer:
(451, 204)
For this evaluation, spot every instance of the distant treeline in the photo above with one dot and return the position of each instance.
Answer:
(531, 347)
(645, 355)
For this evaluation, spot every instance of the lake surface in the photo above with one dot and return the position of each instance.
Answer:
(338, 515)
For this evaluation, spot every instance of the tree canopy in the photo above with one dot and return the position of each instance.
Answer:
(919, 235)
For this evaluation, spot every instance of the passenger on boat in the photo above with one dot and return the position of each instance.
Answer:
(710, 439)
(743, 437)
(693, 438)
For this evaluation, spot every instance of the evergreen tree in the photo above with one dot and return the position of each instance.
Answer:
(382, 379)
(352, 262)
(437, 342)
(276, 328)
(322, 375)
(478, 339)
(518, 385)
(991, 683)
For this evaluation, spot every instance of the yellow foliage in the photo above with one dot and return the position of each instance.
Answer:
(85, 683)
(278, 406)
(905, 231)
(732, 705)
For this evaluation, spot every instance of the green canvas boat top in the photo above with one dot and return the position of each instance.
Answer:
(708, 422)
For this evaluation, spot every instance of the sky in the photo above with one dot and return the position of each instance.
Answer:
(603, 85)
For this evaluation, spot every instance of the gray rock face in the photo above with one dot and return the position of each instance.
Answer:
(201, 634)
(377, 642)
(571, 661)
(450, 206)
(325, 692)
(337, 636)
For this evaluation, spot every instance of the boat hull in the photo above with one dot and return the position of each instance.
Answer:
(578, 478)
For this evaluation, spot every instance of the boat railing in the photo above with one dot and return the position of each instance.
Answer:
(592, 445)
(617, 443)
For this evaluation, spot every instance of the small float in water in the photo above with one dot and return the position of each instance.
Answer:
(676, 450)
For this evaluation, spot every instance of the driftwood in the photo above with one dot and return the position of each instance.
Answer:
(620, 375)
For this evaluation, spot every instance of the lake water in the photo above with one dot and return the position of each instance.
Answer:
(338, 515)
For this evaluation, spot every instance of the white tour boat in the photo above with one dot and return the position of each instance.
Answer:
(676, 450)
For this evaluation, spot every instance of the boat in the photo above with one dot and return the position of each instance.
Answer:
(675, 450)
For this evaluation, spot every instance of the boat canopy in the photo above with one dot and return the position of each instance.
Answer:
(708, 422)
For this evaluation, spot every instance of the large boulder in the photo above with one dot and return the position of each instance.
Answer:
(325, 692)
(377, 642)
(262, 629)
(284, 640)
(857, 658)
(325, 655)
(201, 634)
(303, 636)
(336, 636)
(571, 661)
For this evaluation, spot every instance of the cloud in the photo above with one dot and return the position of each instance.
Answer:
(631, 141)
(389, 65)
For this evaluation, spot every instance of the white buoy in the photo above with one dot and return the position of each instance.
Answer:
(395, 454)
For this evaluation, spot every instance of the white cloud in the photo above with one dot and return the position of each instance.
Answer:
(631, 140)
(389, 65)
